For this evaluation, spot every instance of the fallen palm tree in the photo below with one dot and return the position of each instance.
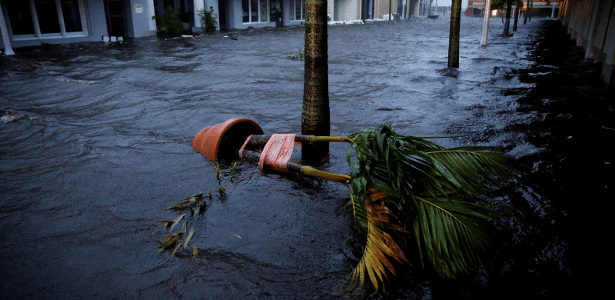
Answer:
(408, 194)
(435, 194)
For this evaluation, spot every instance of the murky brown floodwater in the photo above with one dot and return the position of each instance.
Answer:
(102, 147)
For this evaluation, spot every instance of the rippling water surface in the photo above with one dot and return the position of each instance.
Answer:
(101, 147)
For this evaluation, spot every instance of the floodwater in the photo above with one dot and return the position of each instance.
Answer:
(96, 144)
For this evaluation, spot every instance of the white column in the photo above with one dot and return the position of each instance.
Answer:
(417, 8)
(151, 12)
(483, 41)
(198, 5)
(8, 50)
(552, 9)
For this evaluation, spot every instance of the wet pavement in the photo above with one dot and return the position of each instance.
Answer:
(96, 145)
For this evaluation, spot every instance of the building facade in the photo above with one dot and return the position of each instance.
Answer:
(32, 22)
(476, 8)
(590, 23)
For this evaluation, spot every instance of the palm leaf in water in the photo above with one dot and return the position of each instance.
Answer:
(454, 237)
(434, 193)
(374, 262)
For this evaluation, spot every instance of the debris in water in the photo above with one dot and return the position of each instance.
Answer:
(29, 64)
(10, 116)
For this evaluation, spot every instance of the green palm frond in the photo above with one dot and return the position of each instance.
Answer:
(454, 237)
(470, 171)
(434, 191)
(387, 161)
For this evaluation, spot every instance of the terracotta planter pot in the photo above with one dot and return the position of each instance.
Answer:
(224, 139)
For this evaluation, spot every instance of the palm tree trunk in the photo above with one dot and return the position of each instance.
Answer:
(529, 7)
(315, 117)
(507, 23)
(453, 40)
(527, 10)
(429, 10)
(517, 10)
(486, 16)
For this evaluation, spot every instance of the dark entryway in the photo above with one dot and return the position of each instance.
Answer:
(367, 9)
(114, 13)
(276, 13)
(183, 7)
(223, 14)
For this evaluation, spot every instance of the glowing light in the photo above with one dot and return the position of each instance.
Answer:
(494, 13)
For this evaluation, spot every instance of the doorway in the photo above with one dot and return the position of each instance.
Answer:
(367, 10)
(276, 13)
(223, 15)
(114, 13)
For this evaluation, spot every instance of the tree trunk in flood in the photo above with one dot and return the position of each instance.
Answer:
(529, 7)
(453, 40)
(527, 11)
(507, 23)
(517, 10)
(315, 117)
(486, 16)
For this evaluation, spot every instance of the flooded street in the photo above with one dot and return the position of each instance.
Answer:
(96, 144)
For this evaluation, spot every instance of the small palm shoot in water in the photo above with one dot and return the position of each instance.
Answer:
(196, 204)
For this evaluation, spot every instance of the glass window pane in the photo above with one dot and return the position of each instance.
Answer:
(245, 7)
(264, 11)
(20, 17)
(298, 11)
(303, 9)
(47, 13)
(253, 10)
(72, 16)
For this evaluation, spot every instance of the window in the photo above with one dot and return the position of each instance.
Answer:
(20, 17)
(255, 11)
(72, 16)
(297, 10)
(47, 13)
(46, 18)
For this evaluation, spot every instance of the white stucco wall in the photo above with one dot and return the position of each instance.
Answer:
(137, 18)
(593, 28)
(348, 10)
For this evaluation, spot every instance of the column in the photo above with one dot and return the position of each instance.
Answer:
(8, 50)
(486, 17)
(198, 6)
(151, 11)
